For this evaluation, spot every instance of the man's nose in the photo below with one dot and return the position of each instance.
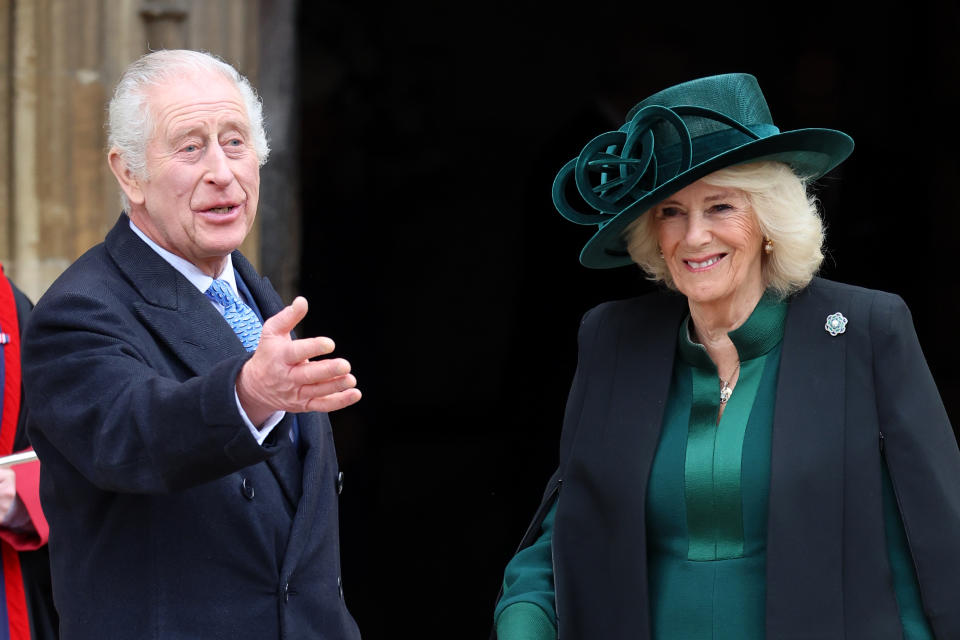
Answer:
(218, 166)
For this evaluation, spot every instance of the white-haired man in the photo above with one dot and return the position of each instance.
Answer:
(189, 474)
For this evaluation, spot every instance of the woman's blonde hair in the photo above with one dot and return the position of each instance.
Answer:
(786, 213)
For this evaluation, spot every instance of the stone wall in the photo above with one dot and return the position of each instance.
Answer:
(57, 69)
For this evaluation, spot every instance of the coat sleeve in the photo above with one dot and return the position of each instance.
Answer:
(105, 400)
(923, 460)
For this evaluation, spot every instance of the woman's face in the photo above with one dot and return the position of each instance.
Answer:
(711, 243)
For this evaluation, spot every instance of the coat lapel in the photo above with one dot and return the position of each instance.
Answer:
(179, 315)
(644, 352)
(625, 367)
(645, 355)
(262, 291)
(183, 319)
(805, 523)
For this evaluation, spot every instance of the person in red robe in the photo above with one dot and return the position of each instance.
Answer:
(25, 586)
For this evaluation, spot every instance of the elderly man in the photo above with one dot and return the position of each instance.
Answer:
(189, 473)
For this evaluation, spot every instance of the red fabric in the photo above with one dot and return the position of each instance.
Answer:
(28, 474)
(17, 615)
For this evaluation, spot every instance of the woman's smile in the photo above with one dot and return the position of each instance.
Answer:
(702, 264)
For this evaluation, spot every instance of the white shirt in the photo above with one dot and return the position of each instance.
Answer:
(202, 282)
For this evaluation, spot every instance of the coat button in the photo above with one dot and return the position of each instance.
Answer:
(339, 482)
(340, 586)
(246, 488)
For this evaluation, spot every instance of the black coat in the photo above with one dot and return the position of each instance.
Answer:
(844, 404)
(167, 519)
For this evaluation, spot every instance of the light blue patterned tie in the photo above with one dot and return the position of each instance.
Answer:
(238, 315)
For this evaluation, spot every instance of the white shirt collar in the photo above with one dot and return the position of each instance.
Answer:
(189, 270)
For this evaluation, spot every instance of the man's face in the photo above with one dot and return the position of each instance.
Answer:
(200, 195)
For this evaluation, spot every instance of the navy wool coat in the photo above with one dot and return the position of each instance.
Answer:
(845, 405)
(167, 519)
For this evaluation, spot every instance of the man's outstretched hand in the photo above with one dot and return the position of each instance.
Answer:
(281, 377)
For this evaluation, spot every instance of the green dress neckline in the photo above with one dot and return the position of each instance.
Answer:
(714, 450)
(760, 333)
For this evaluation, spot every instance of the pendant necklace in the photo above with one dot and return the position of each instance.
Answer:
(725, 390)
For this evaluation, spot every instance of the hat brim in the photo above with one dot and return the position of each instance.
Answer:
(810, 152)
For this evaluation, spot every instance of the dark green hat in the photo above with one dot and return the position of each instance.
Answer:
(674, 138)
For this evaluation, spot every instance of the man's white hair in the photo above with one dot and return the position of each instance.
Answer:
(130, 123)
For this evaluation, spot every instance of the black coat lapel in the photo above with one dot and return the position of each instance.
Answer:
(626, 367)
(644, 355)
(179, 315)
(262, 291)
(805, 524)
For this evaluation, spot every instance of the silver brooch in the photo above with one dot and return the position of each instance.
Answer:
(836, 324)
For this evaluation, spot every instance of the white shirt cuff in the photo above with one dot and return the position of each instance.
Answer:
(268, 425)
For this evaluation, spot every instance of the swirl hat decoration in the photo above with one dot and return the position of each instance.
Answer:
(672, 139)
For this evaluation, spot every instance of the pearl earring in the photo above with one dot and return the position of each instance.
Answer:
(768, 247)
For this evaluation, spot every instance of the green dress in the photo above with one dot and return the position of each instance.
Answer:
(706, 507)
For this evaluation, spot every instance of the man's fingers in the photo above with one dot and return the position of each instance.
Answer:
(306, 348)
(334, 401)
(315, 371)
(328, 387)
(289, 375)
(283, 322)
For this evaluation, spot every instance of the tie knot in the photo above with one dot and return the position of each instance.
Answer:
(221, 292)
(238, 315)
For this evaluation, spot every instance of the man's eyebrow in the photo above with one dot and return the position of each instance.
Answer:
(201, 129)
(235, 124)
(187, 131)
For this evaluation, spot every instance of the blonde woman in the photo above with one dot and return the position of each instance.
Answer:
(753, 451)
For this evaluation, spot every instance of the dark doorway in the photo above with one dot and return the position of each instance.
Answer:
(431, 133)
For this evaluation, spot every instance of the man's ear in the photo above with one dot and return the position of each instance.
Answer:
(128, 182)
